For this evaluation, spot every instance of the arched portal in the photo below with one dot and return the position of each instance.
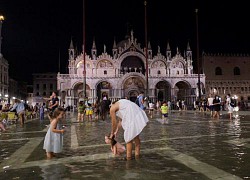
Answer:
(133, 86)
(103, 90)
(132, 64)
(182, 90)
(78, 90)
(163, 91)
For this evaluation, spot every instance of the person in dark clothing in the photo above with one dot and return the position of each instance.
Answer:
(216, 107)
(54, 101)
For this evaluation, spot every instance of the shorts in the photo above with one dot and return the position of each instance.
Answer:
(211, 108)
(89, 112)
(165, 115)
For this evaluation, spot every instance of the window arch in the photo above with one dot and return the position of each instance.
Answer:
(218, 71)
(236, 71)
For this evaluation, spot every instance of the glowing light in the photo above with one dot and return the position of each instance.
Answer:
(1, 18)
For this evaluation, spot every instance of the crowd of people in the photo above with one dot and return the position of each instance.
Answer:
(132, 117)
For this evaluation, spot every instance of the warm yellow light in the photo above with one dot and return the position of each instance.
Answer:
(1, 18)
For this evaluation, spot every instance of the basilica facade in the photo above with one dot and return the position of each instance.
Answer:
(169, 77)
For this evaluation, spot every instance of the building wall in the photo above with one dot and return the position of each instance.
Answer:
(4, 77)
(44, 84)
(124, 73)
(234, 78)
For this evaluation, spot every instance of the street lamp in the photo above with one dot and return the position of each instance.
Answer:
(198, 59)
(1, 22)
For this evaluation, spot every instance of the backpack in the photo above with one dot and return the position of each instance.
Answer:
(137, 101)
(232, 102)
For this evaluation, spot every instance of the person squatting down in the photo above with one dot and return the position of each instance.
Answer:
(116, 147)
(53, 142)
(132, 119)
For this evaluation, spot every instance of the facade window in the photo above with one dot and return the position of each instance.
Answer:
(218, 71)
(37, 93)
(105, 72)
(37, 86)
(51, 86)
(44, 86)
(159, 72)
(44, 93)
(236, 71)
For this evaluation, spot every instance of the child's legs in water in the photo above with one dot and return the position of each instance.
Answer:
(49, 155)
(2, 126)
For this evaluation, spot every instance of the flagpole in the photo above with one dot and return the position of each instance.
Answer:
(146, 45)
(83, 49)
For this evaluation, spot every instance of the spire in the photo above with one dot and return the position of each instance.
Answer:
(168, 47)
(149, 45)
(177, 51)
(168, 52)
(159, 50)
(93, 45)
(94, 50)
(104, 48)
(188, 47)
(71, 46)
(132, 35)
(114, 44)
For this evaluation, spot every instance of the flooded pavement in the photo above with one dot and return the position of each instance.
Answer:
(189, 145)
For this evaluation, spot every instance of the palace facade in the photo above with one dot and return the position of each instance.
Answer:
(227, 74)
(124, 74)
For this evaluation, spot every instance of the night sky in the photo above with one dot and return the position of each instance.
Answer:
(36, 32)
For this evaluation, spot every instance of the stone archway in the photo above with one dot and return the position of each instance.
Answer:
(182, 90)
(132, 95)
(132, 64)
(163, 91)
(132, 87)
(78, 90)
(103, 90)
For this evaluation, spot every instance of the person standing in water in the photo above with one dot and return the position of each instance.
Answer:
(132, 119)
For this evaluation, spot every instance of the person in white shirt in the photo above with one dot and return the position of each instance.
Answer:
(229, 107)
(210, 104)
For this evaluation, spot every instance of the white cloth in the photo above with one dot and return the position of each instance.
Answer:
(210, 101)
(230, 108)
(53, 142)
(134, 119)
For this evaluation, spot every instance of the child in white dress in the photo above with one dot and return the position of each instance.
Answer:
(53, 141)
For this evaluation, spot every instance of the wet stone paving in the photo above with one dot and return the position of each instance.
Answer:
(189, 145)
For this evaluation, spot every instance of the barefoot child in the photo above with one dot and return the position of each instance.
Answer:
(53, 141)
(164, 110)
(116, 147)
(2, 127)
